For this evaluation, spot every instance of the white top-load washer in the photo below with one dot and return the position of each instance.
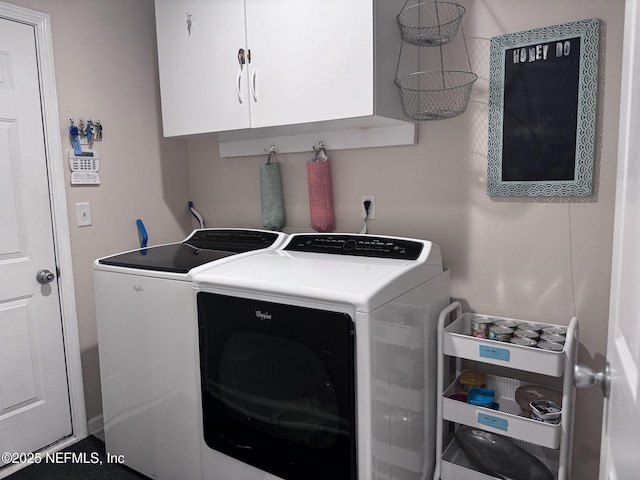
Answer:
(148, 351)
(318, 359)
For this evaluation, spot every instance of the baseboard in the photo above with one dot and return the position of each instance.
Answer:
(95, 424)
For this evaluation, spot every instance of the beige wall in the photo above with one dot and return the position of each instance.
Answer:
(541, 261)
(538, 260)
(106, 68)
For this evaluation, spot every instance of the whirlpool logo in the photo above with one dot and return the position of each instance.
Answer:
(263, 315)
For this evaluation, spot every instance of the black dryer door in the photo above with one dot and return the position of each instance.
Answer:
(278, 386)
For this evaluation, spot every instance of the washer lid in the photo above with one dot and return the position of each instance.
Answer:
(176, 257)
(201, 247)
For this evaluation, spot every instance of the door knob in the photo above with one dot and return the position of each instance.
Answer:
(44, 276)
(584, 377)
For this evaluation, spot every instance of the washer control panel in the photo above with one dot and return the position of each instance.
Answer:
(231, 240)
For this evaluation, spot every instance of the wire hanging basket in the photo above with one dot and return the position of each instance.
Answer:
(434, 95)
(430, 24)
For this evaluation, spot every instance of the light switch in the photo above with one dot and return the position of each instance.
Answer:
(83, 212)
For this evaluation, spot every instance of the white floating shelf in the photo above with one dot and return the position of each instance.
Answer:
(232, 144)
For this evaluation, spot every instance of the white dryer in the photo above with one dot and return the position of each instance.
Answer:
(147, 342)
(318, 359)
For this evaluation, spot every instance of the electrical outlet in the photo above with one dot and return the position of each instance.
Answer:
(372, 207)
(83, 212)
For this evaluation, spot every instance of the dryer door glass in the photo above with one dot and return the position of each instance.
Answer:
(278, 386)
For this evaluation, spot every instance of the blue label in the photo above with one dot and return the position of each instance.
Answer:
(493, 352)
(491, 421)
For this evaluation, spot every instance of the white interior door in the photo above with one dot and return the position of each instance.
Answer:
(621, 426)
(34, 398)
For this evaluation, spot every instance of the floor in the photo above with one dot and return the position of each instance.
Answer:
(84, 460)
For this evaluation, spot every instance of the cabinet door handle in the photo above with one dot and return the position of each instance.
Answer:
(254, 89)
(238, 85)
(241, 62)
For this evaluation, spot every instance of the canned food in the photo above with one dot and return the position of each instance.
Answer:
(545, 411)
(525, 342)
(506, 323)
(553, 421)
(555, 330)
(534, 327)
(525, 333)
(547, 337)
(480, 334)
(553, 347)
(501, 334)
(480, 323)
(470, 379)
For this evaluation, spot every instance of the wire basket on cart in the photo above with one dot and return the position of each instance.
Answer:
(430, 24)
(436, 95)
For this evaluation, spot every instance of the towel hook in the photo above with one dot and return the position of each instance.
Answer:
(321, 151)
(272, 151)
(320, 147)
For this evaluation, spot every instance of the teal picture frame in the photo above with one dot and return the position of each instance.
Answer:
(543, 89)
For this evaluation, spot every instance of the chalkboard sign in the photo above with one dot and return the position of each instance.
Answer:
(542, 111)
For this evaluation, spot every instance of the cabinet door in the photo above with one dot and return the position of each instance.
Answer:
(198, 43)
(310, 60)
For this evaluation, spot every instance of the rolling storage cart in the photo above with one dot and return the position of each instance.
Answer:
(507, 366)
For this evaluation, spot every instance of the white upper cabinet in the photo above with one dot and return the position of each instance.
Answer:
(310, 60)
(229, 65)
(198, 43)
